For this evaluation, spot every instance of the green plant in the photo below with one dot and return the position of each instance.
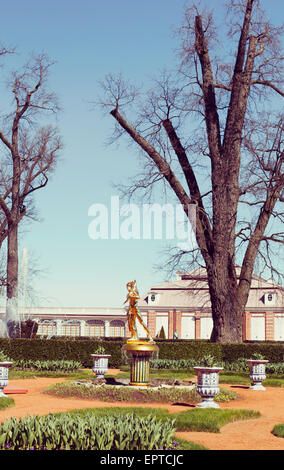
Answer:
(80, 349)
(209, 361)
(207, 420)
(257, 355)
(4, 357)
(176, 364)
(100, 350)
(90, 432)
(124, 394)
(50, 366)
(162, 334)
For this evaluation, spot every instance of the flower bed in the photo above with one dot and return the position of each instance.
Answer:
(161, 392)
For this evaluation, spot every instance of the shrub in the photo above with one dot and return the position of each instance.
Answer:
(80, 349)
(240, 365)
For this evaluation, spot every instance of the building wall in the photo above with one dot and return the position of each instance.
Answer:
(261, 326)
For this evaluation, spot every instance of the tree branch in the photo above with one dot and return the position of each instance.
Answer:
(269, 84)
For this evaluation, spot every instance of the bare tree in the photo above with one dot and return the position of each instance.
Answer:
(29, 156)
(214, 117)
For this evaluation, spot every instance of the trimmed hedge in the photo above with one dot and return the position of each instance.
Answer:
(61, 349)
(80, 349)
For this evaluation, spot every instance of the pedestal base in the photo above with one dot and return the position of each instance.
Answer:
(2, 394)
(208, 403)
(140, 353)
(257, 386)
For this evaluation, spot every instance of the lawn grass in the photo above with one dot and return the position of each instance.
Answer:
(196, 419)
(6, 402)
(278, 430)
(31, 374)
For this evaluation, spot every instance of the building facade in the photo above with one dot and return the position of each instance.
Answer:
(180, 308)
(183, 307)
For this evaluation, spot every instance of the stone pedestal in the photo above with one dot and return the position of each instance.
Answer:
(140, 353)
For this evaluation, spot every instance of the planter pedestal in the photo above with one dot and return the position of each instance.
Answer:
(4, 371)
(140, 353)
(208, 385)
(100, 364)
(257, 373)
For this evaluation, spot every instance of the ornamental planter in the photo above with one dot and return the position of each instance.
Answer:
(4, 370)
(100, 364)
(257, 373)
(208, 385)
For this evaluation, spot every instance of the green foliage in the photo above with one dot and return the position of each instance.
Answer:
(209, 361)
(210, 420)
(51, 366)
(125, 393)
(162, 334)
(207, 420)
(188, 349)
(272, 351)
(177, 364)
(77, 349)
(71, 349)
(257, 355)
(90, 432)
(100, 350)
(278, 430)
(4, 357)
(6, 402)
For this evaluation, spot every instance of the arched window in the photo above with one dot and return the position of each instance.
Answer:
(95, 328)
(46, 328)
(71, 328)
(117, 329)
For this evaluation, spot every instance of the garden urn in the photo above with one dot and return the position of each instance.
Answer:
(4, 371)
(100, 364)
(257, 373)
(208, 385)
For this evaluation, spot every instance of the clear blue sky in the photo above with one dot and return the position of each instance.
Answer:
(88, 39)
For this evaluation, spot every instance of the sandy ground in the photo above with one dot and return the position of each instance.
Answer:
(241, 435)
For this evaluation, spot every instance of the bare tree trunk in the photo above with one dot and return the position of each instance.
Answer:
(12, 314)
(227, 135)
(227, 311)
(33, 153)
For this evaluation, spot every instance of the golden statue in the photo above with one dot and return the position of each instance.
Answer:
(133, 312)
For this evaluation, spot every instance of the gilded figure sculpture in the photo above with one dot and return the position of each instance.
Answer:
(133, 313)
